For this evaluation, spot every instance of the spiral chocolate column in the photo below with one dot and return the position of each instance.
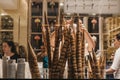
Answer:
(82, 56)
(63, 56)
(70, 63)
(73, 56)
(78, 50)
(32, 60)
(48, 43)
(56, 52)
(95, 68)
(102, 64)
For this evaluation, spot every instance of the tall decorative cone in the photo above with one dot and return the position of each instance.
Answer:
(56, 52)
(82, 55)
(102, 64)
(32, 60)
(73, 54)
(78, 50)
(48, 48)
(96, 70)
(63, 55)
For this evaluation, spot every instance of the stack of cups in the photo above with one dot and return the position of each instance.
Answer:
(4, 65)
(11, 69)
(21, 68)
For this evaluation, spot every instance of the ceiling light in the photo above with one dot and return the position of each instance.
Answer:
(2, 14)
(61, 4)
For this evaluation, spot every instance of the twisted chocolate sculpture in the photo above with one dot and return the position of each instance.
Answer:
(32, 60)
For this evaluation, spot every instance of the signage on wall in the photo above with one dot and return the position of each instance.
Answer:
(92, 6)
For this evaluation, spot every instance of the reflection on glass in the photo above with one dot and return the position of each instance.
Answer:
(36, 8)
(52, 9)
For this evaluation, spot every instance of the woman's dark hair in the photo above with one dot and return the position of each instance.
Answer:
(22, 51)
(118, 36)
(12, 45)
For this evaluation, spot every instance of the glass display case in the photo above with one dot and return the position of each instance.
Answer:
(6, 28)
(36, 8)
(93, 29)
(52, 8)
(37, 19)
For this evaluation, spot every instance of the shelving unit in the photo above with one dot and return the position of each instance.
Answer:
(52, 13)
(93, 29)
(35, 22)
(6, 29)
(106, 28)
(36, 17)
(104, 31)
(111, 28)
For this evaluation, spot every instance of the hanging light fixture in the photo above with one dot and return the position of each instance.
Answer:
(94, 21)
(37, 21)
(37, 38)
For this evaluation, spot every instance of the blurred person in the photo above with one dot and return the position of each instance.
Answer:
(22, 52)
(42, 56)
(115, 67)
(9, 49)
(88, 38)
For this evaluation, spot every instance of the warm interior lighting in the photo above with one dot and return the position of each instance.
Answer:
(94, 21)
(61, 4)
(2, 14)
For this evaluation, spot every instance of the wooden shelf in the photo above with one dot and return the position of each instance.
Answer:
(51, 16)
(36, 49)
(114, 29)
(6, 30)
(36, 33)
(36, 16)
(36, 8)
(106, 33)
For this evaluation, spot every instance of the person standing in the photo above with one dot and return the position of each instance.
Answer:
(115, 67)
(42, 56)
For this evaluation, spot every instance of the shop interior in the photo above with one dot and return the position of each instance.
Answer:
(31, 24)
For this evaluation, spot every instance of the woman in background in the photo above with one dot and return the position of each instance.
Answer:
(9, 49)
